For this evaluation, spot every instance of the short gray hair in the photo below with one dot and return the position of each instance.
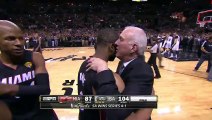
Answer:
(138, 36)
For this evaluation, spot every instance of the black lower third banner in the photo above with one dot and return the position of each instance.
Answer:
(97, 101)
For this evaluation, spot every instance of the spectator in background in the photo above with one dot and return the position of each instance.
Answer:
(210, 72)
(152, 60)
(175, 47)
(161, 40)
(37, 43)
(206, 51)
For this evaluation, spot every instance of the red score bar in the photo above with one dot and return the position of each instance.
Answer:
(64, 99)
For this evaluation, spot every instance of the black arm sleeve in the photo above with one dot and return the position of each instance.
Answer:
(141, 82)
(41, 86)
(106, 83)
(107, 86)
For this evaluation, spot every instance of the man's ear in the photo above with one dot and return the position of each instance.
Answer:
(134, 48)
(112, 47)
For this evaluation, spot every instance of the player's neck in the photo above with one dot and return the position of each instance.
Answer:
(10, 59)
(101, 56)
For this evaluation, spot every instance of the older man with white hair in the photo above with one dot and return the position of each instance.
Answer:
(135, 72)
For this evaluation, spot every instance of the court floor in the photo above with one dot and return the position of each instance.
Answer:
(183, 94)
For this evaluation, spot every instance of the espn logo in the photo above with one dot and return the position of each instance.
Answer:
(49, 99)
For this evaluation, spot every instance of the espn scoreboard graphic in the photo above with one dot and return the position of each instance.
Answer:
(97, 101)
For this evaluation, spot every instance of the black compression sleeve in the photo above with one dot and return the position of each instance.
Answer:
(106, 84)
(41, 86)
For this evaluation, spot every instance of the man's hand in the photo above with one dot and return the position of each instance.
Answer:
(6, 89)
(97, 65)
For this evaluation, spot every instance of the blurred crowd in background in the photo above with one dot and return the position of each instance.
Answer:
(75, 23)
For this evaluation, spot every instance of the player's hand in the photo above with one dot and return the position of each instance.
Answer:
(97, 65)
(6, 89)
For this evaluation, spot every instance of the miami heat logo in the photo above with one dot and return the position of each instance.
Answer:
(28, 64)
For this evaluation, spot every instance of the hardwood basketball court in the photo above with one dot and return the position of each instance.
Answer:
(182, 93)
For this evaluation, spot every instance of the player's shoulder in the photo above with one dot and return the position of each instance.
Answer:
(139, 60)
(28, 53)
(27, 56)
(140, 63)
(84, 63)
(83, 68)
